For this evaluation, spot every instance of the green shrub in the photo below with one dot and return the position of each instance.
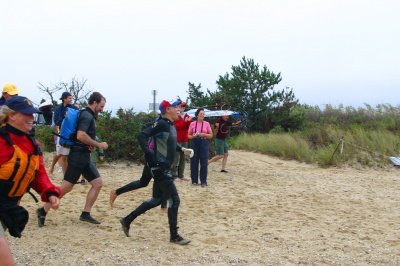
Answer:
(45, 137)
(121, 133)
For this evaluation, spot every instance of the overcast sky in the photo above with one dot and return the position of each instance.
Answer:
(329, 51)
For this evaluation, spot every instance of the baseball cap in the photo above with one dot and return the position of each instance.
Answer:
(10, 88)
(21, 104)
(165, 104)
(65, 95)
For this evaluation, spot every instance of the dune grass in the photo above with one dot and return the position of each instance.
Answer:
(322, 146)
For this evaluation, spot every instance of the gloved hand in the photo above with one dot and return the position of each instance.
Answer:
(149, 156)
(188, 152)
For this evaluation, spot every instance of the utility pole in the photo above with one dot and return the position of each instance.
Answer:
(154, 92)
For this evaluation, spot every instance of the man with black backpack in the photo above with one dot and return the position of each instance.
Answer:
(79, 162)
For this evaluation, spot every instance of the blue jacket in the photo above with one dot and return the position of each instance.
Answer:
(59, 113)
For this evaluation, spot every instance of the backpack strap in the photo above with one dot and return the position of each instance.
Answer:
(4, 135)
(37, 149)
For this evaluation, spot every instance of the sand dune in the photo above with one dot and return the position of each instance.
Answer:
(265, 211)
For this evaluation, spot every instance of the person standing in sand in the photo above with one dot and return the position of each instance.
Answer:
(159, 161)
(199, 134)
(182, 127)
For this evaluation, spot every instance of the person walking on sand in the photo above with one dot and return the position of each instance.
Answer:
(222, 127)
(199, 133)
(182, 127)
(79, 162)
(62, 151)
(159, 160)
(21, 167)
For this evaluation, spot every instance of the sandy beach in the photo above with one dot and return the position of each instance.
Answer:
(265, 211)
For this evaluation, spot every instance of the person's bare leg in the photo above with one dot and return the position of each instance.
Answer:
(6, 257)
(113, 197)
(63, 162)
(65, 187)
(224, 160)
(93, 193)
(53, 163)
(215, 158)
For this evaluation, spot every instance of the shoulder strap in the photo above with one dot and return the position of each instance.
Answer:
(4, 134)
(37, 150)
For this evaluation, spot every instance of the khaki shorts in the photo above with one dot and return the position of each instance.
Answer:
(62, 150)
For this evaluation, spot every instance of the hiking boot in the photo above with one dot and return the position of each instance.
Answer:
(179, 240)
(41, 215)
(88, 218)
(125, 227)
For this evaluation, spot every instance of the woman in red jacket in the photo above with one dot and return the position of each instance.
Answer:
(21, 167)
(182, 127)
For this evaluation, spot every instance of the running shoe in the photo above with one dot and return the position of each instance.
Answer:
(89, 219)
(41, 215)
(180, 240)
(125, 227)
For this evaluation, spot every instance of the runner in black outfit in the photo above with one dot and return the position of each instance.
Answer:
(143, 181)
(159, 161)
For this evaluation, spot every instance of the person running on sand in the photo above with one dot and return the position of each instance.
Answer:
(79, 162)
(159, 160)
(222, 127)
(21, 167)
(143, 181)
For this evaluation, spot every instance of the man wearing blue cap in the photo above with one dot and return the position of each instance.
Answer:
(159, 159)
(59, 115)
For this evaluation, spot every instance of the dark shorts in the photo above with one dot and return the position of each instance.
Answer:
(79, 163)
(221, 146)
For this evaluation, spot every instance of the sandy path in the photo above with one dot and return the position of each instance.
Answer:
(265, 211)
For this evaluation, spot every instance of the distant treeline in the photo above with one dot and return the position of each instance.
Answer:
(369, 133)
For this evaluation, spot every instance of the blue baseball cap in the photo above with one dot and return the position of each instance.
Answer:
(165, 104)
(21, 104)
(65, 95)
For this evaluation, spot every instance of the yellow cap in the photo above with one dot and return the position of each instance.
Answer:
(11, 89)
